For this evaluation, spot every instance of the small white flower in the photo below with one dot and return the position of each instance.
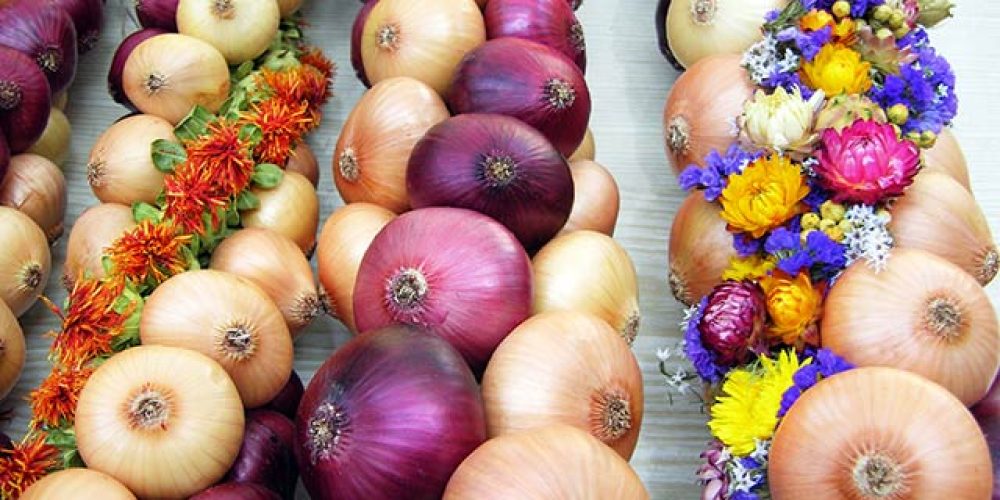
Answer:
(869, 238)
(782, 121)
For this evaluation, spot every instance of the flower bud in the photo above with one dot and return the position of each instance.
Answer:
(841, 8)
(810, 220)
(882, 13)
(896, 19)
(883, 33)
(933, 12)
(898, 114)
(832, 211)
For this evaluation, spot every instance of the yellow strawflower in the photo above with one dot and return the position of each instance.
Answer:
(837, 69)
(753, 267)
(764, 196)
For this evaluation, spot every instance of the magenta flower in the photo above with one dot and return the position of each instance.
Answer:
(866, 162)
(712, 474)
(733, 321)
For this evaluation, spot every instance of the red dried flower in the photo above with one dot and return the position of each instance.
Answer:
(29, 461)
(282, 126)
(224, 155)
(90, 322)
(304, 83)
(191, 192)
(315, 57)
(54, 401)
(150, 251)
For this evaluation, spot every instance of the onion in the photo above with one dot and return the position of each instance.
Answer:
(660, 19)
(921, 313)
(289, 7)
(4, 156)
(878, 433)
(290, 209)
(12, 352)
(229, 319)
(164, 421)
(345, 238)
(35, 186)
(96, 229)
(987, 413)
(534, 380)
(287, 400)
(946, 156)
(267, 456)
(551, 462)
(44, 34)
(60, 100)
(160, 14)
(120, 168)
(389, 415)
(699, 251)
(357, 30)
(498, 166)
(25, 261)
(24, 99)
(87, 17)
(608, 289)
(456, 272)
(79, 484)
(595, 200)
(169, 74)
(240, 29)
(275, 264)
(697, 29)
(424, 40)
(54, 142)
(940, 215)
(528, 81)
(587, 149)
(117, 69)
(375, 144)
(236, 491)
(303, 161)
(701, 111)
(548, 22)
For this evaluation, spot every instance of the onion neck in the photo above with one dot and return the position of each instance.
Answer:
(325, 432)
(388, 37)
(95, 173)
(498, 170)
(943, 318)
(703, 12)
(223, 9)
(877, 476)
(49, 59)
(149, 407)
(989, 263)
(576, 37)
(348, 165)
(31, 277)
(407, 289)
(679, 135)
(10, 95)
(611, 415)
(154, 83)
(237, 341)
(678, 286)
(559, 93)
(306, 307)
(631, 328)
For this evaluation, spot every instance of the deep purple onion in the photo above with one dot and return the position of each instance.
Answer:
(357, 29)
(733, 321)
(390, 415)
(987, 413)
(660, 19)
(117, 67)
(549, 22)
(44, 34)
(456, 272)
(237, 491)
(160, 14)
(496, 165)
(287, 401)
(267, 456)
(87, 16)
(25, 101)
(528, 81)
(4, 157)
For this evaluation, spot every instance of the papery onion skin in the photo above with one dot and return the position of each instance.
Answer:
(370, 160)
(303, 161)
(237, 491)
(345, 238)
(291, 209)
(357, 31)
(160, 14)
(44, 34)
(528, 81)
(96, 229)
(287, 400)
(4, 156)
(120, 167)
(701, 110)
(240, 29)
(289, 7)
(87, 16)
(533, 380)
(596, 200)
(552, 462)
(548, 22)
(495, 165)
(922, 314)
(25, 262)
(456, 272)
(946, 156)
(267, 457)
(987, 413)
(587, 149)
(697, 29)
(117, 68)
(390, 415)
(189, 435)
(699, 250)
(35, 186)
(24, 100)
(878, 433)
(79, 484)
(12, 352)
(55, 140)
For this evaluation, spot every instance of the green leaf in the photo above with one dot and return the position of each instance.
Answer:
(167, 155)
(267, 175)
(194, 125)
(247, 201)
(243, 71)
(62, 438)
(251, 133)
(142, 211)
(107, 265)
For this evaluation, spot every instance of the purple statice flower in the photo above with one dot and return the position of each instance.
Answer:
(772, 15)
(746, 245)
(825, 364)
(858, 7)
(817, 195)
(703, 360)
(808, 42)
(820, 254)
(744, 495)
(714, 176)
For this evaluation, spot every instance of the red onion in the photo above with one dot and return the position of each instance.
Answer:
(87, 16)
(528, 81)
(357, 29)
(495, 165)
(267, 456)
(390, 415)
(160, 14)
(44, 34)
(549, 22)
(4, 157)
(237, 491)
(287, 401)
(987, 413)
(25, 101)
(117, 67)
(660, 18)
(456, 272)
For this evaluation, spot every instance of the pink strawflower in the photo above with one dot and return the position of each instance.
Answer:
(866, 162)
(733, 321)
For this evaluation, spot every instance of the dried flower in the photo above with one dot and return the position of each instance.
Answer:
(866, 162)
(752, 267)
(703, 360)
(733, 321)
(53, 403)
(843, 110)
(225, 155)
(932, 12)
(837, 69)
(869, 237)
(765, 195)
(90, 322)
(782, 121)
(149, 253)
(190, 193)
(712, 474)
(793, 305)
(282, 126)
(29, 461)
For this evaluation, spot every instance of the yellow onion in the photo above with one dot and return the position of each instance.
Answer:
(79, 484)
(11, 350)
(35, 186)
(922, 314)
(878, 433)
(369, 163)
(345, 238)
(25, 261)
(96, 229)
(291, 209)
(702, 109)
(165, 422)
(275, 264)
(288, 7)
(60, 100)
(946, 156)
(595, 200)
(588, 271)
(424, 40)
(551, 462)
(54, 142)
(939, 215)
(240, 29)
(169, 74)
(303, 161)
(587, 149)
(697, 29)
(699, 249)
(565, 367)
(120, 168)
(229, 319)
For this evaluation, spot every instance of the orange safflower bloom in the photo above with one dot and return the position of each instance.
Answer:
(29, 461)
(225, 155)
(90, 322)
(150, 252)
(54, 401)
(315, 57)
(191, 192)
(282, 126)
(304, 83)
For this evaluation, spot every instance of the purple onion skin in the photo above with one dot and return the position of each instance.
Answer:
(117, 68)
(400, 410)
(476, 275)
(267, 456)
(451, 166)
(236, 491)
(87, 16)
(660, 18)
(549, 22)
(161, 14)
(519, 78)
(287, 401)
(4, 158)
(45, 35)
(25, 101)
(987, 413)
(357, 29)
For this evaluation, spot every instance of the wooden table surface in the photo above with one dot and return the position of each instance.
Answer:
(629, 83)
